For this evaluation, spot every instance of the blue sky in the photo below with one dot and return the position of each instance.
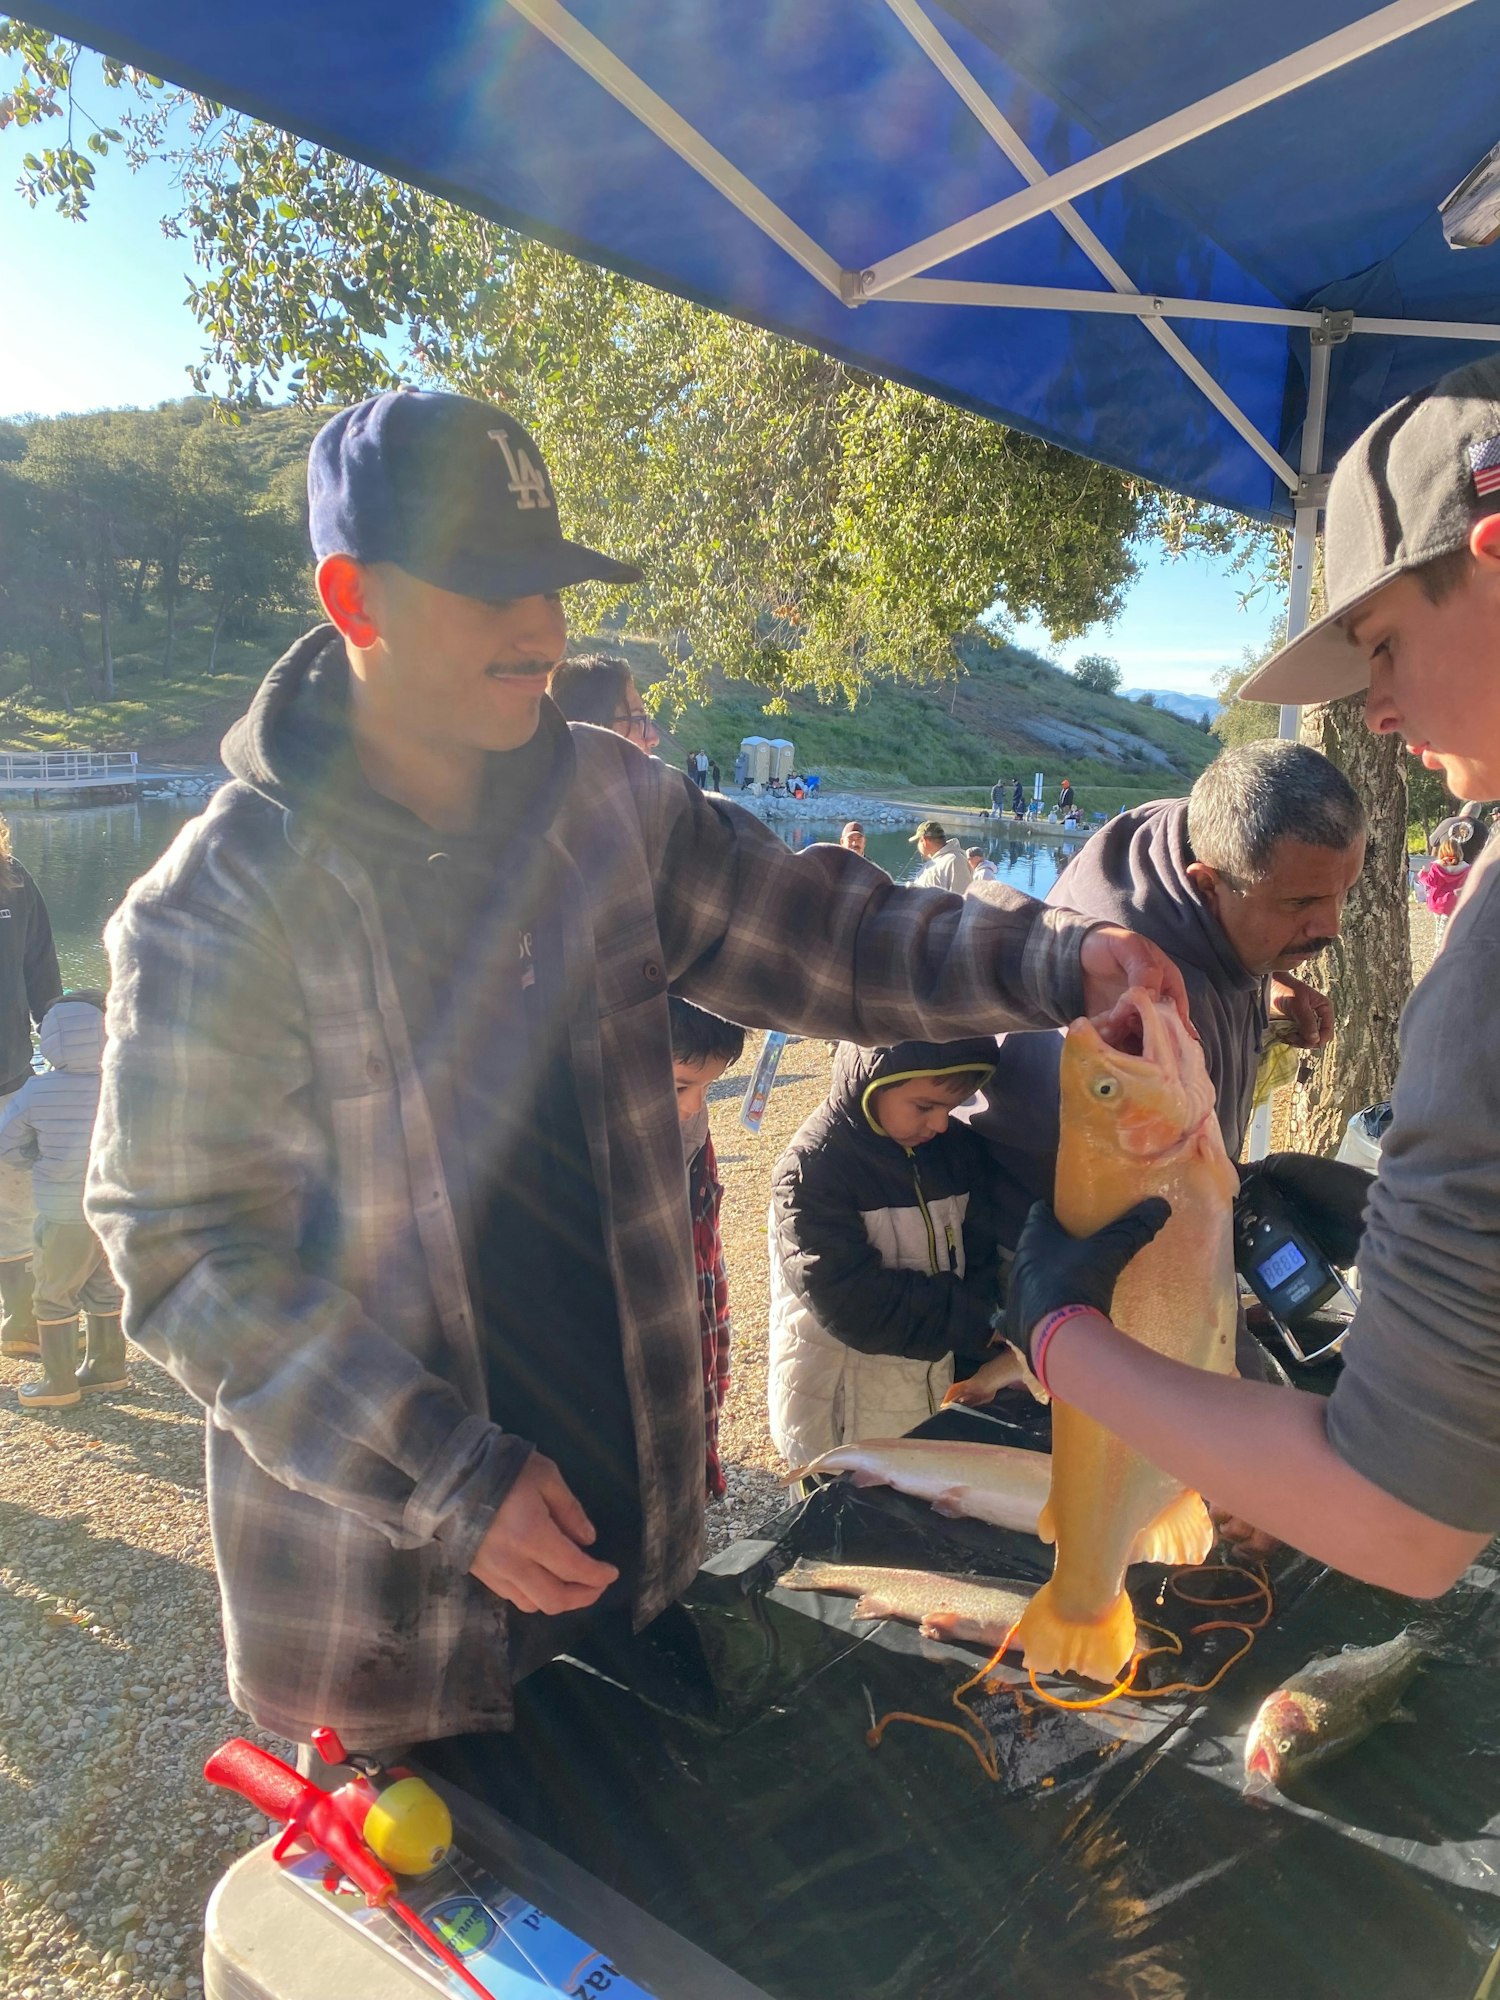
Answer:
(102, 322)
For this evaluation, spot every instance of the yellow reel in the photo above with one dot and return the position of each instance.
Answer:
(409, 1827)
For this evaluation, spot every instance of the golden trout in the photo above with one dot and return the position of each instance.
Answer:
(1137, 1119)
(981, 1609)
(998, 1483)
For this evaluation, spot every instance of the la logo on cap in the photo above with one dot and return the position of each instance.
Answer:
(527, 480)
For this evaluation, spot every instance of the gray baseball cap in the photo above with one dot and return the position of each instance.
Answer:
(1409, 489)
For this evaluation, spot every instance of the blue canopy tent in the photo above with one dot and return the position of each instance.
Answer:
(1196, 241)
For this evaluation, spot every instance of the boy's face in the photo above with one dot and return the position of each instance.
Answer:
(1435, 670)
(913, 1112)
(692, 1081)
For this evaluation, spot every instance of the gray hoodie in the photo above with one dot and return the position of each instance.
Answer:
(1133, 871)
(49, 1122)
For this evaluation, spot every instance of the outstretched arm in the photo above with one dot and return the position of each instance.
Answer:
(1261, 1453)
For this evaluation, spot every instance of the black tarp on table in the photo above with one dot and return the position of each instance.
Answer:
(716, 1772)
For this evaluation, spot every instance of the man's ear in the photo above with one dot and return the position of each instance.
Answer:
(342, 585)
(1484, 541)
(1206, 881)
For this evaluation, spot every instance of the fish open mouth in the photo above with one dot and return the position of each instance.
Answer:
(1123, 1028)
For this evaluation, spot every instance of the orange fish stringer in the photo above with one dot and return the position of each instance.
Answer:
(974, 1731)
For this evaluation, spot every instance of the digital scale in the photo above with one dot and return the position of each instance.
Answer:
(1290, 1276)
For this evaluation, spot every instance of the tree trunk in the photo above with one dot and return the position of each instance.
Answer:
(213, 645)
(106, 650)
(143, 563)
(1368, 971)
(171, 646)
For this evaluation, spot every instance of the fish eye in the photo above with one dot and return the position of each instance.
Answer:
(1104, 1086)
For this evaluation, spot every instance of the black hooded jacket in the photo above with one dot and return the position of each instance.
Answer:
(843, 1196)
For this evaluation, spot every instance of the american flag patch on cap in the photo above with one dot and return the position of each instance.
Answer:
(1484, 463)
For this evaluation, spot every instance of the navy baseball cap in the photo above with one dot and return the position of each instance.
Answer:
(451, 490)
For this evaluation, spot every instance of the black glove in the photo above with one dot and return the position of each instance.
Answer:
(1052, 1268)
(1326, 1198)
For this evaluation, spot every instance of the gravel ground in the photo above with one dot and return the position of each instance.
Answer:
(113, 1690)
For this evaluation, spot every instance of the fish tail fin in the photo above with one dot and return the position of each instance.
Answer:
(1181, 1533)
(1098, 1648)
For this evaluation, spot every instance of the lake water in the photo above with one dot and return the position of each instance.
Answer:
(85, 858)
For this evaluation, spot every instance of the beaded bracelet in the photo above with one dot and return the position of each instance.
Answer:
(1042, 1340)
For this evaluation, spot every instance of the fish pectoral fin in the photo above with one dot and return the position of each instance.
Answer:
(1181, 1533)
(1098, 1648)
(871, 1605)
(940, 1625)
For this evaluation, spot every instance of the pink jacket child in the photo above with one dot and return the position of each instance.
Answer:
(1443, 879)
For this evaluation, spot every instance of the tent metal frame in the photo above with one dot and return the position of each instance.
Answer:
(898, 279)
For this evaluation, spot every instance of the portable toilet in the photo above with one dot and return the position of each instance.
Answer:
(757, 754)
(783, 759)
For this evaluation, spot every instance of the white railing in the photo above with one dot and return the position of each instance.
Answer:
(67, 767)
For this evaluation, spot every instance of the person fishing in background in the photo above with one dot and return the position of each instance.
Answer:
(1395, 1478)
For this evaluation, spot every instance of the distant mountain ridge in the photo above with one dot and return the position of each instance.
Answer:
(1191, 707)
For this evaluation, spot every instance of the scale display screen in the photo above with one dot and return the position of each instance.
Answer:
(1280, 1265)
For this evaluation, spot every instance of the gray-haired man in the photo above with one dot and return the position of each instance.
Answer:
(1240, 882)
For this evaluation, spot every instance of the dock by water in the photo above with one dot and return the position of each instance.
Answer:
(84, 777)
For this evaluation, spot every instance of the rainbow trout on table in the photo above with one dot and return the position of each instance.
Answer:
(981, 1609)
(1331, 1705)
(1137, 1119)
(998, 1483)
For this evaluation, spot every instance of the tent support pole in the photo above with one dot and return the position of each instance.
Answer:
(1310, 492)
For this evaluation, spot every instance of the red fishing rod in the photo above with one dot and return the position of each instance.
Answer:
(335, 1823)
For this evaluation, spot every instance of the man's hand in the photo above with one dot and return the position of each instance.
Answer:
(531, 1553)
(1053, 1269)
(1309, 1011)
(1327, 1197)
(1114, 959)
(1243, 1538)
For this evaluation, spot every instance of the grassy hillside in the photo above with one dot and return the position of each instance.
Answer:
(1007, 715)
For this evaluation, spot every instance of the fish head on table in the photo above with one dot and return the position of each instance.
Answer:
(1332, 1704)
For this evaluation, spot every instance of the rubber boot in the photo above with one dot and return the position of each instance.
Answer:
(58, 1388)
(18, 1339)
(104, 1360)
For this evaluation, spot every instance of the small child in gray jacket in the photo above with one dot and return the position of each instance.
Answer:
(47, 1125)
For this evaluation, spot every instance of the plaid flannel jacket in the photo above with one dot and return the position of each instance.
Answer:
(267, 1183)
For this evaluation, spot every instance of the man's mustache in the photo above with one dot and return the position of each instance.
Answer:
(1313, 947)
